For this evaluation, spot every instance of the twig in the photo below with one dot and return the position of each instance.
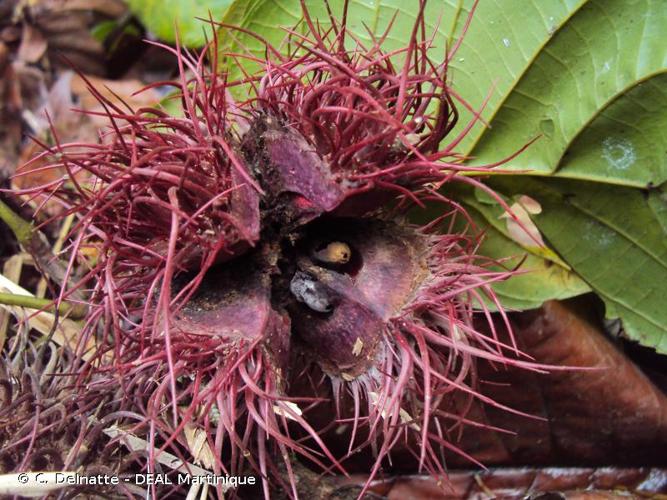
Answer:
(134, 443)
(36, 244)
(57, 247)
(67, 331)
(12, 270)
(76, 311)
(21, 229)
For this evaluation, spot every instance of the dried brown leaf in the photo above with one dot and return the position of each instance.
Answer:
(33, 44)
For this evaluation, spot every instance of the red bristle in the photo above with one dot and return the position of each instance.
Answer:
(177, 209)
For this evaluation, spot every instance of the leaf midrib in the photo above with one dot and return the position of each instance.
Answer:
(621, 232)
(477, 136)
(601, 109)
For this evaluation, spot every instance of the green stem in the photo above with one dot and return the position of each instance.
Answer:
(36, 244)
(76, 311)
(21, 229)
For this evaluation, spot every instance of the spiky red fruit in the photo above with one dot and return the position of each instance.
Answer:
(244, 242)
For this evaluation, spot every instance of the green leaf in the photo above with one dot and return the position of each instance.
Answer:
(626, 143)
(103, 29)
(503, 38)
(601, 54)
(538, 279)
(589, 77)
(172, 104)
(271, 19)
(164, 17)
(657, 202)
(611, 237)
